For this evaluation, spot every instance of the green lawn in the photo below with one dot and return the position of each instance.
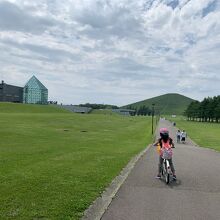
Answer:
(103, 112)
(53, 165)
(204, 134)
(29, 108)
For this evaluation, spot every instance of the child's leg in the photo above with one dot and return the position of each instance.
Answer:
(160, 165)
(172, 166)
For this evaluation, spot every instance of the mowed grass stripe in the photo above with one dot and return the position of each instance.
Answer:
(52, 166)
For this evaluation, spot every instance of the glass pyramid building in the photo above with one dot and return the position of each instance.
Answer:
(35, 92)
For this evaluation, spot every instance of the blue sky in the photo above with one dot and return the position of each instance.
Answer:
(112, 51)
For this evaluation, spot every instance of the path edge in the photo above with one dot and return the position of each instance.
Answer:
(101, 204)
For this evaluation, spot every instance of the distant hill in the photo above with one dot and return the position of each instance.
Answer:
(167, 104)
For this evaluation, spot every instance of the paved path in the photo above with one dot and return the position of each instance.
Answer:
(195, 196)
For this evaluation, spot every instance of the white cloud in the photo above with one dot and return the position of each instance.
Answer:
(112, 51)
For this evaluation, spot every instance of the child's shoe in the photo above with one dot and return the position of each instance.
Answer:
(158, 176)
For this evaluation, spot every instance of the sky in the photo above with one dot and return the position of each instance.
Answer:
(112, 51)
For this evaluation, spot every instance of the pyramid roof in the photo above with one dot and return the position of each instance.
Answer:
(33, 82)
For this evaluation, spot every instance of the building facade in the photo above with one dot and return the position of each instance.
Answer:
(35, 92)
(10, 93)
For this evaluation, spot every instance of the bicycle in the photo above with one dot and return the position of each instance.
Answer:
(166, 169)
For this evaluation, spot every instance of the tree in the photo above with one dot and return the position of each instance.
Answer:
(207, 110)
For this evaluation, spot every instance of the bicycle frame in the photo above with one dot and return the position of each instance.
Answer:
(166, 170)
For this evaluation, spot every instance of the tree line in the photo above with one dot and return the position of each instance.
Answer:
(142, 110)
(208, 110)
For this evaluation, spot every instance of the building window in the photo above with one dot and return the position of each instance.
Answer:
(35, 92)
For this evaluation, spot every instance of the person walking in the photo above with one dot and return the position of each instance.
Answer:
(183, 136)
(178, 136)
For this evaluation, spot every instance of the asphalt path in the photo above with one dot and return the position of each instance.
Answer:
(194, 196)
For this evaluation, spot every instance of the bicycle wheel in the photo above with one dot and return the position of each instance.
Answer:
(163, 170)
(167, 178)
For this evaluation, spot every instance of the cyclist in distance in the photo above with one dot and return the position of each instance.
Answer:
(164, 142)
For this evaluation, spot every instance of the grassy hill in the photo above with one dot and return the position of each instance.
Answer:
(7, 107)
(103, 112)
(165, 104)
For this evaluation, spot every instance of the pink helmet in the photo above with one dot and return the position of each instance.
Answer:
(164, 131)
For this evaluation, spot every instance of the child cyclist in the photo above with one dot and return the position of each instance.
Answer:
(165, 143)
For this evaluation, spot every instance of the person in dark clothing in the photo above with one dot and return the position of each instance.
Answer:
(178, 136)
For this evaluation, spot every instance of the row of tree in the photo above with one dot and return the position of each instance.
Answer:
(142, 110)
(207, 110)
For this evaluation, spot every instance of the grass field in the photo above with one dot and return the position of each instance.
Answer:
(204, 134)
(103, 112)
(53, 164)
(29, 108)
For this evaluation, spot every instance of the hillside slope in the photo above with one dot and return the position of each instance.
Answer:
(7, 107)
(167, 104)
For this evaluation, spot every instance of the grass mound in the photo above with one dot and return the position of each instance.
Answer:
(6, 107)
(167, 104)
(103, 112)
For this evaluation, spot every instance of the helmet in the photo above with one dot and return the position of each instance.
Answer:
(164, 130)
(164, 133)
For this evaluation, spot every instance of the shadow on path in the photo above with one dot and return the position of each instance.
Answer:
(172, 184)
